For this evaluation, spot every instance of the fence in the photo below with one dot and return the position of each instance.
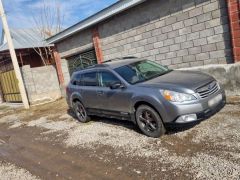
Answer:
(41, 83)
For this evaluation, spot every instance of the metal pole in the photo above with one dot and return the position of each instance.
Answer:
(14, 57)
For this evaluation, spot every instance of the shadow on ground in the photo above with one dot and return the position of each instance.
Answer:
(130, 125)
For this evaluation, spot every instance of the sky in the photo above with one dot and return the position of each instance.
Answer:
(20, 13)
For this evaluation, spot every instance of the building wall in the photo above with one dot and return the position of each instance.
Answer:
(176, 34)
(41, 83)
(75, 44)
(66, 73)
(79, 42)
(31, 58)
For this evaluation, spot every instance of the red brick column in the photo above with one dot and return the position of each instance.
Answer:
(97, 45)
(58, 65)
(234, 17)
(1, 95)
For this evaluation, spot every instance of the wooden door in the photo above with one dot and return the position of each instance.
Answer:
(9, 87)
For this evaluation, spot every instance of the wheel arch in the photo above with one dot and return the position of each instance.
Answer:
(76, 97)
(142, 102)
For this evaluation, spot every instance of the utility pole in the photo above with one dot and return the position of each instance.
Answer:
(14, 57)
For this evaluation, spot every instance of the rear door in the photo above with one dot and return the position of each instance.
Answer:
(87, 86)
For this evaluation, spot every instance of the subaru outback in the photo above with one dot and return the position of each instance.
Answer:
(144, 92)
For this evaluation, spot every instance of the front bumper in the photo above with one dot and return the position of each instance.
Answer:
(200, 108)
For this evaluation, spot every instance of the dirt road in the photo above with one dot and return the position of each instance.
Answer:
(48, 143)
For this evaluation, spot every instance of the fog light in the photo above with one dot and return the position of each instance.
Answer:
(187, 118)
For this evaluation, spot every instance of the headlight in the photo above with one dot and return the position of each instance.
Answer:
(176, 96)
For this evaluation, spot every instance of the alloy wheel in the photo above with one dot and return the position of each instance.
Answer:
(80, 111)
(148, 121)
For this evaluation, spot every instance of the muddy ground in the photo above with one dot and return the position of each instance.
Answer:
(46, 142)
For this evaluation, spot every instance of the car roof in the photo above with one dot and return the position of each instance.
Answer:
(121, 62)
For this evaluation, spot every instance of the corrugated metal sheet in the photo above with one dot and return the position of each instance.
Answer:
(25, 38)
(112, 10)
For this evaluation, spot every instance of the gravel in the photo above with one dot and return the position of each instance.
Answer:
(11, 172)
(52, 126)
(212, 167)
(223, 127)
(9, 119)
(209, 150)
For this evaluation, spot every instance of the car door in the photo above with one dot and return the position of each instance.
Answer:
(112, 100)
(87, 87)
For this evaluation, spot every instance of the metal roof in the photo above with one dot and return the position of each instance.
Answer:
(106, 13)
(24, 38)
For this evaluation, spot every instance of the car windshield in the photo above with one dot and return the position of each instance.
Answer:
(141, 71)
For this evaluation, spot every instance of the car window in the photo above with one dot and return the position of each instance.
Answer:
(128, 73)
(76, 79)
(107, 78)
(89, 79)
(146, 67)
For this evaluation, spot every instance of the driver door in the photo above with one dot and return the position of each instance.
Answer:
(113, 101)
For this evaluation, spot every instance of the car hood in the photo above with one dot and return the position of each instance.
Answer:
(180, 79)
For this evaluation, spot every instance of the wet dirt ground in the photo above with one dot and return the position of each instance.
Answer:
(46, 142)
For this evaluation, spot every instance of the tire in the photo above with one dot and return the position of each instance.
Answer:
(149, 121)
(80, 112)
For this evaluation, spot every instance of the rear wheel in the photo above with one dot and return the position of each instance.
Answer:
(149, 121)
(80, 112)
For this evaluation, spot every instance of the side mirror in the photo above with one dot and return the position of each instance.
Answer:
(116, 85)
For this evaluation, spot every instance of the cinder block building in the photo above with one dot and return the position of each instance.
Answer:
(176, 33)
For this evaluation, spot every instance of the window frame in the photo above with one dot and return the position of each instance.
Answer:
(82, 83)
(106, 71)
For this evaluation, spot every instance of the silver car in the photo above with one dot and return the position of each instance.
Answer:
(144, 92)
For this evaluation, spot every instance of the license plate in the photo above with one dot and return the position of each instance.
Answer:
(214, 101)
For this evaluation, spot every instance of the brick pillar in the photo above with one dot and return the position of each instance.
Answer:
(234, 17)
(97, 45)
(58, 65)
(1, 96)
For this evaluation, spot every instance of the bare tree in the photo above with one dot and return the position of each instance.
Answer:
(48, 22)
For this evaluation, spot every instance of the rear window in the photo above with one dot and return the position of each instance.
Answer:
(89, 79)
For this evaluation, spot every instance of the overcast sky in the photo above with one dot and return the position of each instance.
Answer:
(20, 12)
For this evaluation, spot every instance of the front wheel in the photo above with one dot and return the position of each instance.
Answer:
(80, 112)
(149, 121)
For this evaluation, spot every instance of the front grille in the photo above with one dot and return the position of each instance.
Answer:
(208, 89)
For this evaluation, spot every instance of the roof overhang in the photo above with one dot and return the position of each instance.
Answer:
(106, 13)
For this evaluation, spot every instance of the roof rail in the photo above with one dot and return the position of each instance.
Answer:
(96, 65)
(120, 58)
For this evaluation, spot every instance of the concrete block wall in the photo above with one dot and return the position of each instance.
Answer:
(41, 83)
(227, 75)
(175, 33)
(74, 44)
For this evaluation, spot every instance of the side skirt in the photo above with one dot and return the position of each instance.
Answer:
(110, 114)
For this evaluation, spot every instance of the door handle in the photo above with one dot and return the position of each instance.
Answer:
(100, 93)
